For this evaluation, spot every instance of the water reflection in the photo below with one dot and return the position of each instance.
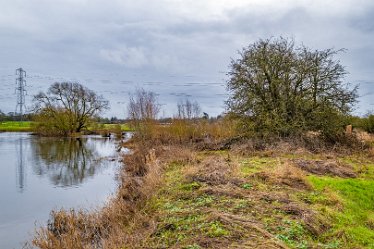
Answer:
(36, 174)
(21, 164)
(69, 161)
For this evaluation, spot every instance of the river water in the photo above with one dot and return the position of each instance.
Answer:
(41, 174)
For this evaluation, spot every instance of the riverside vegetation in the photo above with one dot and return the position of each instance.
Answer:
(278, 171)
(178, 192)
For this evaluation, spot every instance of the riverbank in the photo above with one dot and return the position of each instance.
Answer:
(29, 126)
(224, 200)
(173, 196)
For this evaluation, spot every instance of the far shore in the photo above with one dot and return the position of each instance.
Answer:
(29, 126)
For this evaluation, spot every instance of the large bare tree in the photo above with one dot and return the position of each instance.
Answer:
(279, 87)
(68, 107)
(143, 106)
(143, 109)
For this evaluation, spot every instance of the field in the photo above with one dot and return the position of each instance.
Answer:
(124, 127)
(27, 126)
(16, 126)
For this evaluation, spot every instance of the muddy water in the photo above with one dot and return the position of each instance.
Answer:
(41, 174)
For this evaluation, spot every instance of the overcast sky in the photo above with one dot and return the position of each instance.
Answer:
(176, 48)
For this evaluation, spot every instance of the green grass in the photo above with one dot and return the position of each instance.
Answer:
(180, 209)
(290, 234)
(24, 126)
(255, 164)
(28, 126)
(16, 126)
(349, 203)
(353, 224)
(345, 207)
(362, 165)
(113, 128)
(124, 127)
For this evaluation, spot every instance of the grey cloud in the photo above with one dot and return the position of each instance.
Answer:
(133, 57)
(141, 43)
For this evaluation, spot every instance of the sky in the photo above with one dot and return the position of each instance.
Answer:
(179, 49)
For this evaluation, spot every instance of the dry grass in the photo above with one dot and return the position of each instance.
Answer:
(196, 133)
(326, 167)
(173, 196)
(364, 136)
(213, 170)
(205, 188)
(122, 221)
(128, 221)
(346, 144)
(284, 173)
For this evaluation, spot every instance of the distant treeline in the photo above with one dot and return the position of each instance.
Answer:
(365, 123)
(11, 116)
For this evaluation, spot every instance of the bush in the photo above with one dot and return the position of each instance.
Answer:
(367, 123)
(280, 89)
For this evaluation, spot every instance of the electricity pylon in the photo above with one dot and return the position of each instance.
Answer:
(20, 91)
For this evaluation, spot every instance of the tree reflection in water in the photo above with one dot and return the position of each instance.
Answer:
(68, 161)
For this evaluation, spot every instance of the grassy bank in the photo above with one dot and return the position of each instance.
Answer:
(174, 196)
(28, 126)
(16, 126)
(113, 127)
(222, 200)
(105, 129)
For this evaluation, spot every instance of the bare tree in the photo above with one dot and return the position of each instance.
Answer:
(281, 88)
(68, 107)
(196, 110)
(143, 106)
(143, 110)
(188, 109)
(188, 106)
(181, 110)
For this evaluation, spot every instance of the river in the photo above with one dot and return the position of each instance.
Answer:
(42, 174)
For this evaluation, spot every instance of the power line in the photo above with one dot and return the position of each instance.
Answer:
(20, 90)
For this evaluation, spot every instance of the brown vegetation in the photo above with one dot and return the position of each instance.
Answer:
(285, 174)
(121, 222)
(326, 167)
